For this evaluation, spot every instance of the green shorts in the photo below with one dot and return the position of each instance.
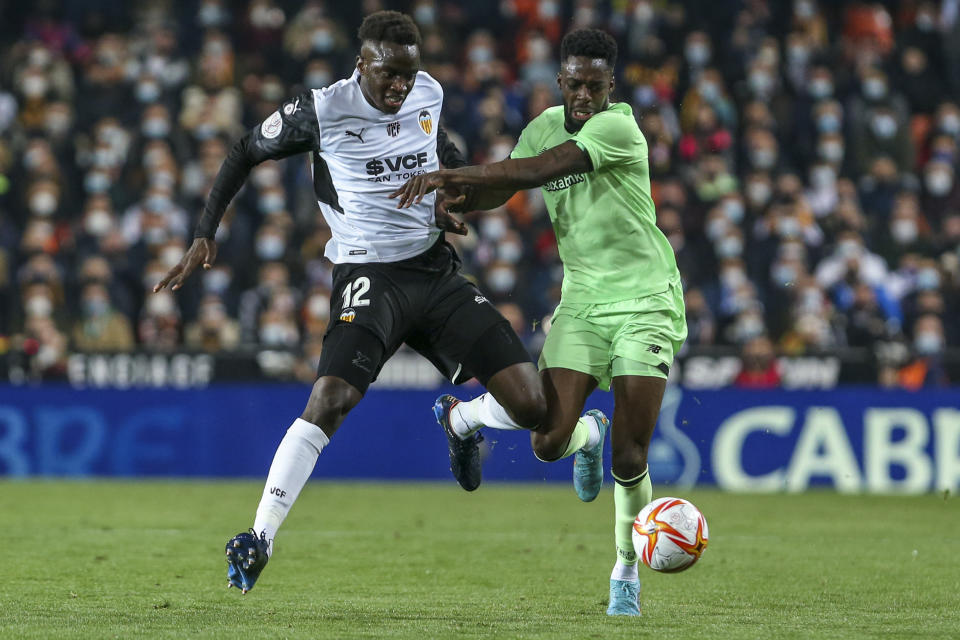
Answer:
(637, 337)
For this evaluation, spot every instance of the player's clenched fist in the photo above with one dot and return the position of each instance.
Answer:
(203, 250)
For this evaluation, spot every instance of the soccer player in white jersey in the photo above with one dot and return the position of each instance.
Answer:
(395, 279)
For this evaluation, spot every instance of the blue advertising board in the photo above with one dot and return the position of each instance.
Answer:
(854, 439)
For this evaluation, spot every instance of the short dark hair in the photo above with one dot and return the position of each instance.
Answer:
(589, 43)
(389, 26)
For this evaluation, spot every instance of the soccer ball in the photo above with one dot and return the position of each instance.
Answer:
(670, 534)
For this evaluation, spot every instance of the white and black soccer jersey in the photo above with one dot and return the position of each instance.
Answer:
(360, 155)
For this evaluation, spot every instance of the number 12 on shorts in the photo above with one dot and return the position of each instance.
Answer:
(354, 291)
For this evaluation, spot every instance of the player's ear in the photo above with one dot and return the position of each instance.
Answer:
(559, 81)
(360, 64)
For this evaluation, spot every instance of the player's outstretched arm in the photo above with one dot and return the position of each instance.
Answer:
(202, 251)
(512, 173)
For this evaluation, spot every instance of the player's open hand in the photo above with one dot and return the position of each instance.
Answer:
(203, 250)
(415, 188)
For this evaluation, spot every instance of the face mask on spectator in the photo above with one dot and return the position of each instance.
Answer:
(160, 304)
(938, 183)
(154, 235)
(34, 86)
(709, 90)
(716, 228)
(480, 54)
(904, 231)
(697, 53)
(784, 274)
(147, 91)
(823, 177)
(216, 281)
(212, 15)
(733, 277)
(39, 307)
(317, 79)
(828, 123)
(97, 223)
(95, 306)
(733, 209)
(493, 227)
(277, 334)
(502, 279)
(763, 158)
(730, 247)
(761, 82)
(643, 13)
(759, 193)
(831, 151)
(509, 252)
(821, 88)
(318, 307)
(925, 21)
(810, 301)
(156, 127)
(170, 256)
(928, 279)
(270, 247)
(874, 88)
(424, 14)
(56, 124)
(159, 204)
(799, 54)
(950, 124)
(788, 227)
(548, 9)
(928, 343)
(271, 202)
(748, 326)
(43, 203)
(884, 126)
(849, 248)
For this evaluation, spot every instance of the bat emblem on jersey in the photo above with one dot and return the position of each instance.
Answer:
(356, 135)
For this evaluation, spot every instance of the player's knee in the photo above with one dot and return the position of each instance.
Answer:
(629, 463)
(545, 448)
(530, 411)
(330, 400)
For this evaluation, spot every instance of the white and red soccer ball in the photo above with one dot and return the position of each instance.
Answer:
(670, 534)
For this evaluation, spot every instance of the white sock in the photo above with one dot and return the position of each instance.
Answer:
(483, 411)
(623, 571)
(593, 437)
(292, 465)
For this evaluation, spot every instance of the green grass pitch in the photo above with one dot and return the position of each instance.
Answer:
(145, 560)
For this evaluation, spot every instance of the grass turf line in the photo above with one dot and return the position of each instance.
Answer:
(145, 559)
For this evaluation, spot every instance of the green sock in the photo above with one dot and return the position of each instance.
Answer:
(629, 497)
(579, 437)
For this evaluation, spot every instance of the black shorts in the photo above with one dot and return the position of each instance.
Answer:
(424, 302)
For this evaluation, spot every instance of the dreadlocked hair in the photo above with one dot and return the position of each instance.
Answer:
(389, 26)
(589, 43)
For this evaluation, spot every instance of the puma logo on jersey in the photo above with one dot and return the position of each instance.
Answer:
(356, 135)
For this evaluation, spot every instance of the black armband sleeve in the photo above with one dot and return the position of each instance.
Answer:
(448, 153)
(291, 129)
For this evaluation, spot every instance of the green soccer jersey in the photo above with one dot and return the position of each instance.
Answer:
(605, 221)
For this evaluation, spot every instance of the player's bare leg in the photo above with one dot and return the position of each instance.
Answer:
(330, 400)
(637, 405)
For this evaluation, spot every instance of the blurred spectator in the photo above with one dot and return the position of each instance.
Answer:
(100, 327)
(802, 157)
(759, 368)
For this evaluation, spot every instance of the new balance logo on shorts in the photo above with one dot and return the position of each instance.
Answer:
(654, 348)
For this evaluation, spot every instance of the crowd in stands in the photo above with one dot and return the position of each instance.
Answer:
(803, 159)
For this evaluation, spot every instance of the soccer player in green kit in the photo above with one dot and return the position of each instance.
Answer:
(621, 315)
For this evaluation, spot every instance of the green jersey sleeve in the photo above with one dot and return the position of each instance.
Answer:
(611, 138)
(523, 148)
